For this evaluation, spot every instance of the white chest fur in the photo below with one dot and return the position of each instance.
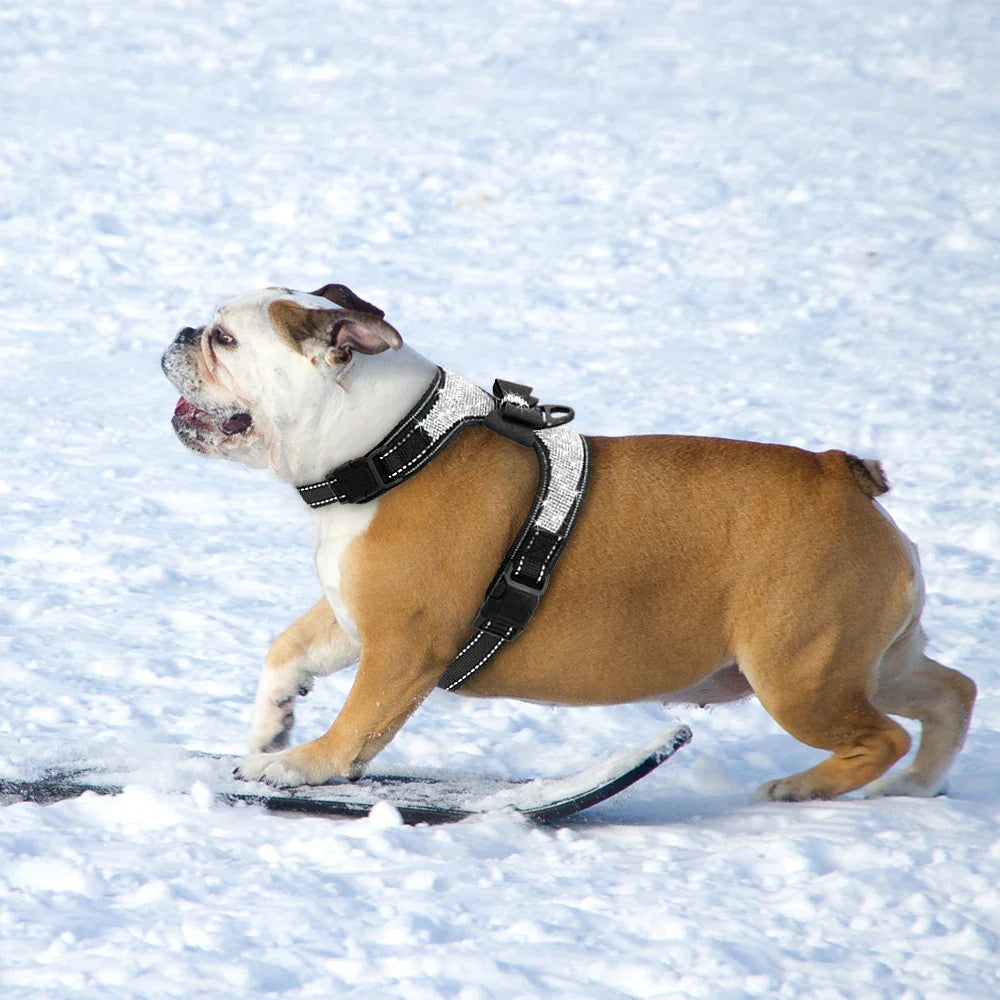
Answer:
(379, 393)
(336, 527)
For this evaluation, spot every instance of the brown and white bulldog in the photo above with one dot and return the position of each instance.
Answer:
(701, 570)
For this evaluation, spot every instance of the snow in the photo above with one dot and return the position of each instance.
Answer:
(774, 221)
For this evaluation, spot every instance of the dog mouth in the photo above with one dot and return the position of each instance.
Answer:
(190, 417)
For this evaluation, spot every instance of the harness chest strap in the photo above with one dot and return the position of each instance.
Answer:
(450, 404)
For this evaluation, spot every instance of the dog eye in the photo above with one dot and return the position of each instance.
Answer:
(222, 338)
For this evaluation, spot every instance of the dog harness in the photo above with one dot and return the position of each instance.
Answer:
(449, 405)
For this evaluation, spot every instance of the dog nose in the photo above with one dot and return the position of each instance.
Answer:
(189, 335)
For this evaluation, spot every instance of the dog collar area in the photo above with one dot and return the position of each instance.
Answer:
(450, 404)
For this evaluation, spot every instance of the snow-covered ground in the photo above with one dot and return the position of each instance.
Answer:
(768, 220)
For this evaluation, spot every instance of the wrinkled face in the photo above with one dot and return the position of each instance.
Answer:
(250, 369)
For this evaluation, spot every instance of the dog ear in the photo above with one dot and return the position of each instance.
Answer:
(342, 296)
(331, 335)
(360, 331)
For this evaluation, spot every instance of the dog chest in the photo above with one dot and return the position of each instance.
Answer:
(336, 528)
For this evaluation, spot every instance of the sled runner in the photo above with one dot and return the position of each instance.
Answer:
(422, 796)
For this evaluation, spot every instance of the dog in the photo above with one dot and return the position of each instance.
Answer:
(701, 570)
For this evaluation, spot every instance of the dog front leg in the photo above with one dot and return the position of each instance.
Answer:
(313, 646)
(384, 695)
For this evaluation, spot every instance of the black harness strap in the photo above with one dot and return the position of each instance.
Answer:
(523, 576)
(408, 448)
(450, 404)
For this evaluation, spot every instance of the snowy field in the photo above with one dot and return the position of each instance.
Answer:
(769, 220)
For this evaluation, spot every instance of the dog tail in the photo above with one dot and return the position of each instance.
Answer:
(868, 474)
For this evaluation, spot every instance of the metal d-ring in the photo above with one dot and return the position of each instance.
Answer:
(556, 414)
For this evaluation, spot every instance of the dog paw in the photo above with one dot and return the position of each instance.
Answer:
(274, 711)
(904, 783)
(292, 767)
(271, 726)
(276, 769)
(786, 790)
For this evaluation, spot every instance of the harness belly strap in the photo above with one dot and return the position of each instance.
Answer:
(450, 404)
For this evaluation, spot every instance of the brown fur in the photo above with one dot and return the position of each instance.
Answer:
(343, 330)
(690, 555)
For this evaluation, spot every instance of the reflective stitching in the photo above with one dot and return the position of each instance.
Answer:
(461, 680)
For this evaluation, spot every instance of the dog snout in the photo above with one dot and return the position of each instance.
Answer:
(189, 335)
(177, 358)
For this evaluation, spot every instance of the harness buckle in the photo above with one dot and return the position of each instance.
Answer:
(359, 480)
(509, 605)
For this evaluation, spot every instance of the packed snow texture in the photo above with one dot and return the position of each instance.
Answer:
(764, 220)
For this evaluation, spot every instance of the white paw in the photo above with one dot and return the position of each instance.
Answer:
(274, 709)
(904, 783)
(271, 768)
(271, 725)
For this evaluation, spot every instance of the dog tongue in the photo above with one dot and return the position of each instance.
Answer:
(183, 408)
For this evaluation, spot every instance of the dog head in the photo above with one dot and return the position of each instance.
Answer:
(265, 367)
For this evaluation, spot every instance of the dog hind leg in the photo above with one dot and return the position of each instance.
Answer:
(865, 745)
(914, 686)
(824, 703)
